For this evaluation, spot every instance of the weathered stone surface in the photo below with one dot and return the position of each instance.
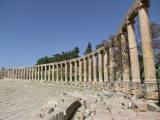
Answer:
(153, 107)
(138, 105)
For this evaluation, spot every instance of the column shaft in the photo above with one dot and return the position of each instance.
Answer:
(85, 69)
(75, 70)
(95, 68)
(80, 71)
(70, 71)
(52, 73)
(133, 53)
(125, 58)
(100, 67)
(90, 69)
(66, 78)
(148, 56)
(105, 67)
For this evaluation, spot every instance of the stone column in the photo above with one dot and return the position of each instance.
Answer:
(62, 72)
(95, 68)
(111, 55)
(66, 78)
(57, 72)
(29, 73)
(105, 67)
(70, 71)
(125, 58)
(118, 55)
(52, 72)
(21, 73)
(85, 69)
(90, 68)
(38, 73)
(25, 73)
(80, 70)
(133, 53)
(16, 73)
(45, 73)
(49, 73)
(100, 66)
(150, 82)
(41, 73)
(75, 70)
(35, 77)
(148, 56)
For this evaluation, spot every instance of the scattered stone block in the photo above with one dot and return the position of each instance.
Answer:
(153, 107)
(138, 105)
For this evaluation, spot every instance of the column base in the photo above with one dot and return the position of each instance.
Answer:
(125, 87)
(150, 91)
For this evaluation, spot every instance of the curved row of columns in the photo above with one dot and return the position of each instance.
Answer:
(101, 66)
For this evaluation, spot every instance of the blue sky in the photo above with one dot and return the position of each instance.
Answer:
(31, 29)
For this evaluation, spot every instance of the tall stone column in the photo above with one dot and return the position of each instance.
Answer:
(118, 55)
(38, 73)
(75, 70)
(90, 69)
(62, 72)
(45, 73)
(133, 53)
(35, 73)
(24, 73)
(148, 56)
(57, 72)
(151, 90)
(41, 73)
(125, 58)
(85, 69)
(80, 70)
(16, 73)
(100, 66)
(66, 78)
(111, 55)
(21, 73)
(29, 73)
(95, 68)
(70, 71)
(105, 67)
(52, 72)
(49, 73)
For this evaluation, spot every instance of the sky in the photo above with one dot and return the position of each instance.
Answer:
(31, 29)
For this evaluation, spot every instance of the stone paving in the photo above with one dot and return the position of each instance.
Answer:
(18, 100)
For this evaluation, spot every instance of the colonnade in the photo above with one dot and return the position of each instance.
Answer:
(101, 66)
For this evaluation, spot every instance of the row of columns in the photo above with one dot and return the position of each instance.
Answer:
(101, 65)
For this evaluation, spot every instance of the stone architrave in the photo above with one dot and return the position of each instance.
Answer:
(133, 52)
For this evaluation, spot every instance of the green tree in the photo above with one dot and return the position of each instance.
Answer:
(44, 60)
(89, 49)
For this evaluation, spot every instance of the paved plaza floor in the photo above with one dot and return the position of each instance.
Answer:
(18, 99)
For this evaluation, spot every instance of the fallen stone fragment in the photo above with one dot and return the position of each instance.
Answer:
(138, 105)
